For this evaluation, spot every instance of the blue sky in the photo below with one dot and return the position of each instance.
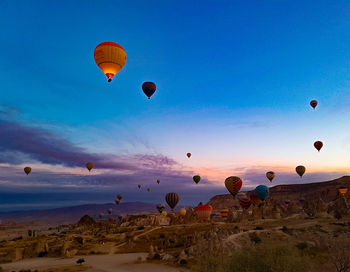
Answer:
(234, 80)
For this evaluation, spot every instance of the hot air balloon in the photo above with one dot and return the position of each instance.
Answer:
(149, 88)
(182, 211)
(255, 199)
(189, 155)
(196, 179)
(270, 175)
(172, 199)
(119, 197)
(27, 170)
(286, 203)
(160, 208)
(300, 170)
(117, 201)
(233, 185)
(109, 211)
(101, 215)
(318, 145)
(148, 189)
(110, 57)
(139, 186)
(203, 212)
(164, 213)
(313, 103)
(342, 190)
(224, 212)
(158, 181)
(89, 166)
(261, 191)
(244, 202)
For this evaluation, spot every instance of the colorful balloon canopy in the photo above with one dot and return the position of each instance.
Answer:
(189, 155)
(27, 170)
(172, 199)
(262, 192)
(318, 145)
(342, 190)
(196, 179)
(300, 170)
(233, 185)
(203, 212)
(89, 166)
(224, 212)
(255, 199)
(110, 57)
(160, 208)
(183, 211)
(313, 104)
(149, 88)
(244, 201)
(270, 175)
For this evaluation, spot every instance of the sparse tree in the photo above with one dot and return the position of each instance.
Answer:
(339, 252)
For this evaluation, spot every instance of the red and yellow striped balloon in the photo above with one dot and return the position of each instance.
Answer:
(203, 212)
(110, 57)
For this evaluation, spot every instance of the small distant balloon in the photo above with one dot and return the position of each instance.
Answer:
(189, 155)
(313, 104)
(300, 170)
(139, 186)
(149, 88)
(27, 170)
(270, 175)
(158, 181)
(117, 201)
(196, 179)
(148, 189)
(110, 211)
(120, 197)
(164, 213)
(183, 211)
(89, 166)
(318, 145)
(160, 208)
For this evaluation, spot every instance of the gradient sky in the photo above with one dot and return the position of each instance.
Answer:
(234, 81)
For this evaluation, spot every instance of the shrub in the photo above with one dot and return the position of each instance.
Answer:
(301, 246)
(254, 238)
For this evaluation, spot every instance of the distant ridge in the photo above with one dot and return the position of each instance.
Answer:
(67, 215)
(327, 190)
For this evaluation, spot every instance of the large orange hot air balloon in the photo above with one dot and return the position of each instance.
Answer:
(203, 212)
(110, 57)
(233, 185)
(342, 190)
(318, 145)
(27, 170)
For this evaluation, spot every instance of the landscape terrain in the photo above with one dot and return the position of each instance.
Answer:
(314, 228)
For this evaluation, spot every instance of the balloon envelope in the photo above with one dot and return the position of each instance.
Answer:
(224, 212)
(270, 175)
(183, 211)
(120, 197)
(196, 178)
(189, 155)
(300, 170)
(139, 186)
(110, 57)
(27, 170)
(262, 191)
(149, 88)
(172, 199)
(318, 145)
(89, 166)
(313, 103)
(160, 208)
(158, 181)
(203, 212)
(233, 185)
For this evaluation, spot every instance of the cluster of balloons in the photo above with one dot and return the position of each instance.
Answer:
(119, 198)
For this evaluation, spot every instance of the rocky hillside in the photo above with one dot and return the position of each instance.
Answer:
(327, 191)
